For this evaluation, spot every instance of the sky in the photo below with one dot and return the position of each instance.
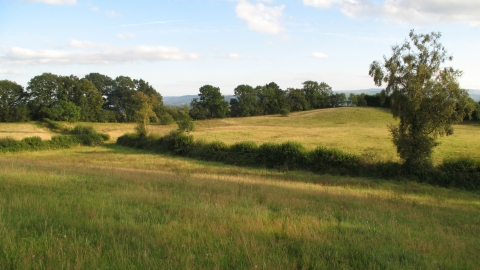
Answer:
(180, 45)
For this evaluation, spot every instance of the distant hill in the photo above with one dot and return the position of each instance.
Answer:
(180, 101)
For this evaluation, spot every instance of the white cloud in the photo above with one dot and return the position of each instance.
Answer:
(320, 55)
(81, 44)
(235, 56)
(407, 11)
(96, 9)
(320, 3)
(12, 72)
(106, 56)
(113, 14)
(53, 2)
(126, 36)
(259, 17)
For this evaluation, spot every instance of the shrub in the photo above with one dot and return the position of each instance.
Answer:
(177, 142)
(10, 145)
(33, 143)
(270, 155)
(63, 142)
(213, 151)
(55, 127)
(324, 160)
(243, 153)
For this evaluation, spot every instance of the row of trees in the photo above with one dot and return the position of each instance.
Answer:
(263, 100)
(99, 98)
(94, 98)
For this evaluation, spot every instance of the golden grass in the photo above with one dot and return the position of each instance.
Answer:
(361, 131)
(117, 207)
(19, 131)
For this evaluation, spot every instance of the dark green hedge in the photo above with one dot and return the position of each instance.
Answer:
(459, 173)
(79, 135)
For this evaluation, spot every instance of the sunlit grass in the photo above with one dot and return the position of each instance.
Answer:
(113, 207)
(361, 131)
(19, 131)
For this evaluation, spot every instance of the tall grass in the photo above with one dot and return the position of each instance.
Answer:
(112, 207)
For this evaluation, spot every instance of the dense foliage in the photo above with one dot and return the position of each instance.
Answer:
(99, 98)
(79, 135)
(425, 96)
(460, 173)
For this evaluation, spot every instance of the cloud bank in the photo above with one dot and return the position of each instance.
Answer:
(53, 2)
(89, 53)
(259, 17)
(407, 11)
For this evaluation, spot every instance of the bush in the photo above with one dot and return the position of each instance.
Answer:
(325, 160)
(243, 153)
(214, 151)
(166, 119)
(55, 127)
(178, 143)
(270, 155)
(87, 135)
(58, 142)
(33, 143)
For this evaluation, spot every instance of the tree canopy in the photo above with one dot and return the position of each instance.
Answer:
(425, 95)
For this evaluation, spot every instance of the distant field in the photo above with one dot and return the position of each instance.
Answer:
(119, 208)
(362, 131)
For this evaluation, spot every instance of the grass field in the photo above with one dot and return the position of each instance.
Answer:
(118, 208)
(362, 131)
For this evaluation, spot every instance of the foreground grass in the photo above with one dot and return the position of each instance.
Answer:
(112, 207)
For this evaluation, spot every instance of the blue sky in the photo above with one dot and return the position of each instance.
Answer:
(179, 46)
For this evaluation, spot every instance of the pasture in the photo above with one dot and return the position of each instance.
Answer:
(119, 208)
(361, 131)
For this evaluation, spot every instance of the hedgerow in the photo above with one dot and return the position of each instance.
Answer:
(79, 135)
(460, 173)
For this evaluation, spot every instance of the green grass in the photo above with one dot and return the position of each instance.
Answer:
(118, 208)
(361, 131)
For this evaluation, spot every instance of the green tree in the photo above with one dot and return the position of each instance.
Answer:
(245, 103)
(352, 99)
(12, 102)
(144, 112)
(105, 85)
(89, 99)
(43, 96)
(425, 95)
(211, 102)
(272, 99)
(186, 123)
(67, 111)
(337, 99)
(296, 100)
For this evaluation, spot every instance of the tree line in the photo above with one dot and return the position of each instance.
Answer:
(99, 98)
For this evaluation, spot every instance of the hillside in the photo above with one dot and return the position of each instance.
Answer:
(112, 207)
(362, 131)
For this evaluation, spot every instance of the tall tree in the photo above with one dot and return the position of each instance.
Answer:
(425, 95)
(105, 85)
(144, 112)
(43, 91)
(12, 102)
(317, 94)
(272, 99)
(296, 100)
(245, 103)
(89, 99)
(211, 102)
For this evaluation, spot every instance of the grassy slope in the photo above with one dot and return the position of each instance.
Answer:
(356, 130)
(112, 207)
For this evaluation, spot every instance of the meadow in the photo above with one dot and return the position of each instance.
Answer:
(357, 130)
(111, 207)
